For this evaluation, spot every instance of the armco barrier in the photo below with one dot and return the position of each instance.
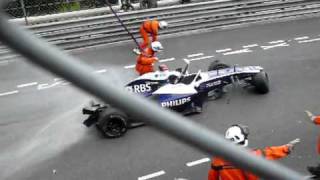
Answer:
(88, 13)
(105, 29)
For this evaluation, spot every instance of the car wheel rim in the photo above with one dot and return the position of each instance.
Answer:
(115, 127)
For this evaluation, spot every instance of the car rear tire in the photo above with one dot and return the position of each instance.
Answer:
(261, 82)
(216, 65)
(112, 123)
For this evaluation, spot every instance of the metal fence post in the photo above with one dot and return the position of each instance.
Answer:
(24, 11)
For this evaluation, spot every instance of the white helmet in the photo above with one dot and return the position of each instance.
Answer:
(156, 46)
(238, 134)
(163, 24)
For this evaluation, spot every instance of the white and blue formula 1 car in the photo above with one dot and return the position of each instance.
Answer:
(176, 90)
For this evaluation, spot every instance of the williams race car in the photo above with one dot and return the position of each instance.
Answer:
(176, 90)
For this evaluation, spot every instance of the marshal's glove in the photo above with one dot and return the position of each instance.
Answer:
(310, 116)
(292, 144)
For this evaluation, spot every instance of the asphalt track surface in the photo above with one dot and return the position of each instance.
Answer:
(41, 135)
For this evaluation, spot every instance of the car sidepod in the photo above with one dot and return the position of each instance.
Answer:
(213, 87)
(144, 87)
(182, 103)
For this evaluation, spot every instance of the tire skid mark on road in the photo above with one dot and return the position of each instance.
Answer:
(48, 141)
(153, 175)
(42, 130)
(197, 162)
(27, 84)
(9, 93)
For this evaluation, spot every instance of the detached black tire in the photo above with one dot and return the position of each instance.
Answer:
(112, 123)
(261, 82)
(216, 65)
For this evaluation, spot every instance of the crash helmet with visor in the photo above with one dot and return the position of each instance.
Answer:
(156, 46)
(238, 134)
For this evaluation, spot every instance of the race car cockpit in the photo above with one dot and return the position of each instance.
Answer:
(189, 78)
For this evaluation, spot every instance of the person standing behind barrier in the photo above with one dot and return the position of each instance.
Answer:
(150, 27)
(126, 5)
(147, 58)
(238, 134)
(316, 120)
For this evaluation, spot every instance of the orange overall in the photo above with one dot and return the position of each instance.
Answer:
(149, 27)
(145, 61)
(223, 170)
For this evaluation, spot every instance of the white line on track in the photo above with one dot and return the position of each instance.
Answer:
(129, 66)
(237, 52)
(66, 83)
(161, 60)
(27, 84)
(301, 38)
(168, 59)
(9, 93)
(100, 71)
(200, 161)
(250, 45)
(277, 41)
(149, 176)
(57, 79)
(195, 55)
(223, 50)
(200, 58)
(5, 62)
(274, 46)
(309, 40)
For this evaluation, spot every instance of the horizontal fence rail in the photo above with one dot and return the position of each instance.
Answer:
(105, 29)
(91, 12)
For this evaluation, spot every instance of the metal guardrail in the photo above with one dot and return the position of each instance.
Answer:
(27, 8)
(105, 29)
(90, 12)
(60, 63)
